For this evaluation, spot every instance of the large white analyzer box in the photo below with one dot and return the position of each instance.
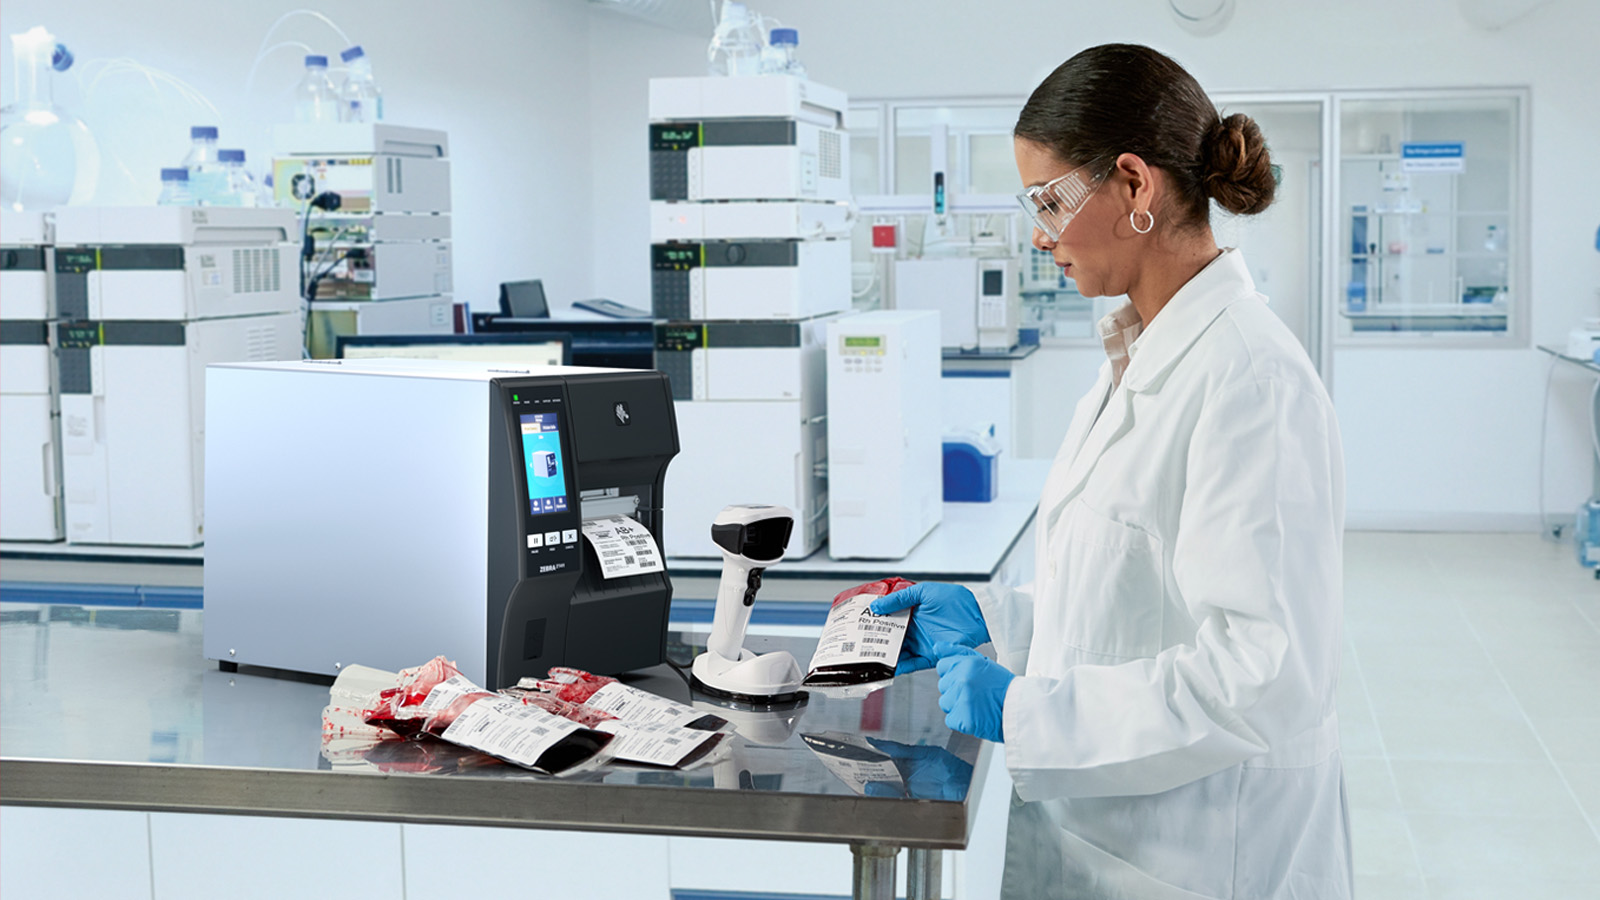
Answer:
(749, 279)
(977, 298)
(148, 296)
(885, 469)
(30, 446)
(754, 137)
(750, 402)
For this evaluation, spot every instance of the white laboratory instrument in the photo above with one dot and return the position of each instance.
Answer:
(461, 525)
(762, 137)
(774, 220)
(389, 240)
(750, 279)
(977, 298)
(30, 442)
(751, 399)
(752, 537)
(885, 470)
(148, 296)
(373, 167)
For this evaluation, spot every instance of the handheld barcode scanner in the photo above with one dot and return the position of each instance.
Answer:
(752, 537)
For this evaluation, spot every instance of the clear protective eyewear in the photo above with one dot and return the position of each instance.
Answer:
(1055, 203)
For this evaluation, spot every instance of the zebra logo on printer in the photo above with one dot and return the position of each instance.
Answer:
(620, 410)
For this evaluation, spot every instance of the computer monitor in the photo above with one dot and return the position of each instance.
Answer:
(546, 348)
(524, 300)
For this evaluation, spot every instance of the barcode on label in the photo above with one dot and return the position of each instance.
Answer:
(876, 640)
(876, 654)
(849, 647)
(627, 560)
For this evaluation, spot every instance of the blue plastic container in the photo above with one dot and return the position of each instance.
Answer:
(971, 473)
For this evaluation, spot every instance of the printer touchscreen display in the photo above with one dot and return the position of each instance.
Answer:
(541, 454)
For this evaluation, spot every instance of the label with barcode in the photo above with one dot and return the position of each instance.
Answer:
(852, 634)
(503, 727)
(447, 692)
(639, 707)
(623, 546)
(652, 743)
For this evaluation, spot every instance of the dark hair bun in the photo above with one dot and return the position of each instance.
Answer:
(1236, 165)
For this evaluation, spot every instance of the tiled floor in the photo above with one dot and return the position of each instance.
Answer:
(1470, 709)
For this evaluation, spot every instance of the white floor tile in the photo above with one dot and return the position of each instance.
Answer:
(1584, 779)
(1382, 887)
(1459, 735)
(1505, 848)
(1514, 620)
(1517, 789)
(1381, 844)
(1369, 784)
(1519, 888)
(1570, 738)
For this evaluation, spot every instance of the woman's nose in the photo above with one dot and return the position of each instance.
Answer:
(1041, 241)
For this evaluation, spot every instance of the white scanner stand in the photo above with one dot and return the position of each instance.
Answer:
(752, 537)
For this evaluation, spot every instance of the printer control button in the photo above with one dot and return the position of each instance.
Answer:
(552, 538)
(570, 536)
(535, 541)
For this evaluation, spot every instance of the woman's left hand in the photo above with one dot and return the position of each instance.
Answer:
(972, 691)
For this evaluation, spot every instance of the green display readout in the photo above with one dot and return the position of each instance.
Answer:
(674, 257)
(851, 343)
(675, 136)
(680, 337)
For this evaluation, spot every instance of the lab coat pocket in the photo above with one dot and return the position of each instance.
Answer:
(1109, 584)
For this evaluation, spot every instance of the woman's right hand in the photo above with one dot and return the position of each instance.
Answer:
(940, 613)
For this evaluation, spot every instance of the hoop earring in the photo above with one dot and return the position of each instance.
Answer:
(1135, 222)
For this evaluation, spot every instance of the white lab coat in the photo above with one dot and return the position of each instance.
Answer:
(1172, 729)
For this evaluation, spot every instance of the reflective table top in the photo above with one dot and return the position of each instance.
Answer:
(117, 708)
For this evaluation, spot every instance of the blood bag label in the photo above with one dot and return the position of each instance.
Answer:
(852, 635)
(447, 692)
(653, 743)
(638, 707)
(503, 727)
(623, 546)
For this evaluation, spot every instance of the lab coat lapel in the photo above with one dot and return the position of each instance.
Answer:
(1191, 311)
(1113, 423)
(1083, 421)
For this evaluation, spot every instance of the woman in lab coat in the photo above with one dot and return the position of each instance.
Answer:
(1165, 686)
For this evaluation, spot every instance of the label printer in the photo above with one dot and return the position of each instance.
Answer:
(384, 512)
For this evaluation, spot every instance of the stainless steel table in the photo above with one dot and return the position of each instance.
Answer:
(116, 709)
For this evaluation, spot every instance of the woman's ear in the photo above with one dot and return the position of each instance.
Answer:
(1138, 188)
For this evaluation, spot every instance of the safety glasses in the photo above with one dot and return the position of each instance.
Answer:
(1053, 204)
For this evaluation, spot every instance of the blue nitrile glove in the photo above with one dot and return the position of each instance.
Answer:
(930, 773)
(939, 612)
(972, 692)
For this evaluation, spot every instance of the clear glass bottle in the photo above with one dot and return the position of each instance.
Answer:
(735, 47)
(175, 188)
(359, 97)
(208, 180)
(50, 157)
(242, 189)
(779, 56)
(315, 99)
